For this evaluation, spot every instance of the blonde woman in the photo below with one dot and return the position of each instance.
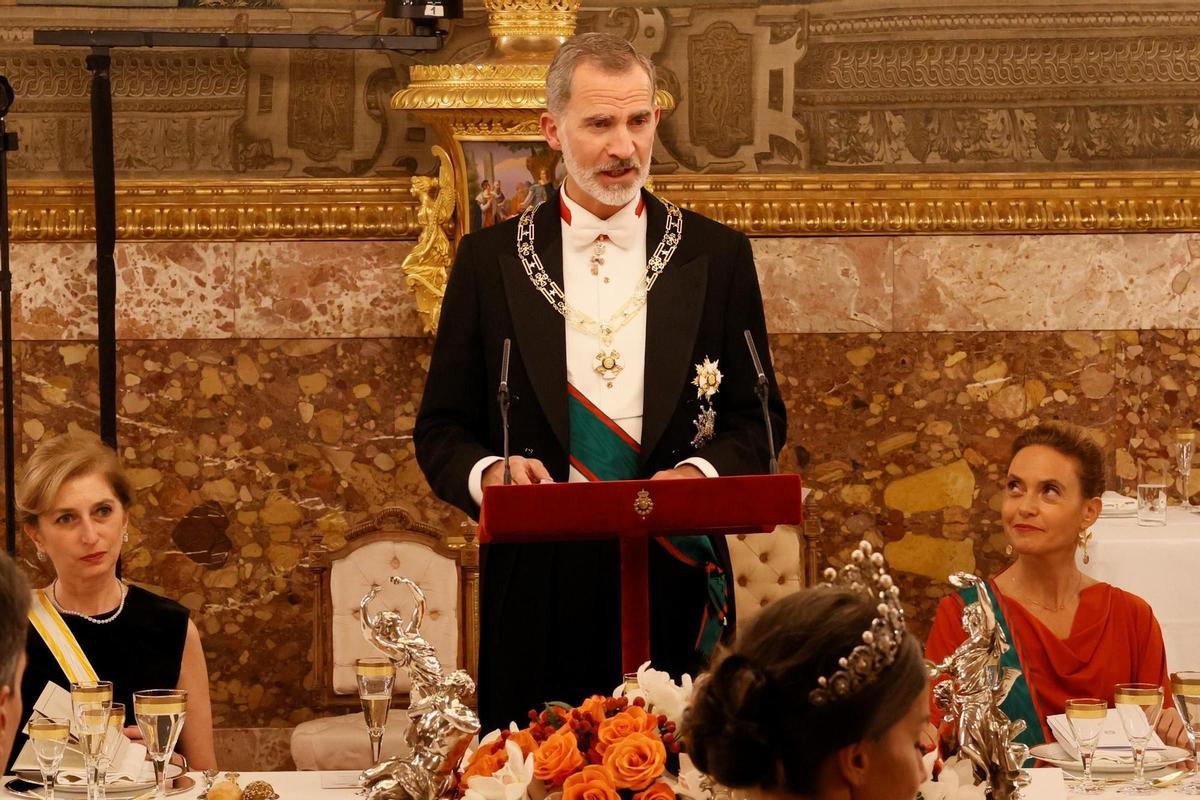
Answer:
(73, 499)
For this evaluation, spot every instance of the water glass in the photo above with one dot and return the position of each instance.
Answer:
(375, 679)
(1138, 706)
(1086, 716)
(1185, 448)
(1151, 504)
(49, 739)
(160, 714)
(91, 704)
(1185, 690)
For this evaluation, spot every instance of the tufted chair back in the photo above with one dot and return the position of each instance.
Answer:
(767, 566)
(392, 544)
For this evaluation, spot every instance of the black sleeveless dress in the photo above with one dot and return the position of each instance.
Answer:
(141, 649)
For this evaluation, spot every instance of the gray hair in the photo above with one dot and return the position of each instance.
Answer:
(608, 52)
(14, 613)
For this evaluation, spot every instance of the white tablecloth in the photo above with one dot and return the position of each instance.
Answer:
(288, 785)
(1162, 566)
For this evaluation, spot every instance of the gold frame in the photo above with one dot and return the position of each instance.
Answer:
(758, 205)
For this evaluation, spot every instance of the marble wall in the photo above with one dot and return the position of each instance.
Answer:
(273, 388)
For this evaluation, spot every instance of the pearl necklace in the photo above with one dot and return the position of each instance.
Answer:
(608, 360)
(115, 614)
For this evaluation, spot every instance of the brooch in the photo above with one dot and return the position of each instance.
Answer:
(707, 382)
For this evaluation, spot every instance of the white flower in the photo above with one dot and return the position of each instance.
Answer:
(688, 784)
(510, 782)
(956, 781)
(708, 379)
(662, 694)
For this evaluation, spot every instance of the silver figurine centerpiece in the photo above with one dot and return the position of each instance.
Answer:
(972, 697)
(440, 725)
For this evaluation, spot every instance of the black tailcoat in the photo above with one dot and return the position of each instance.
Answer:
(550, 614)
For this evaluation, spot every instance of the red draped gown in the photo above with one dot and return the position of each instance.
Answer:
(1114, 639)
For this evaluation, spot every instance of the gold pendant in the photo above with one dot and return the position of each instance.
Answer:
(608, 364)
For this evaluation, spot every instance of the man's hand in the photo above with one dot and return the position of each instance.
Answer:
(684, 471)
(1170, 728)
(524, 471)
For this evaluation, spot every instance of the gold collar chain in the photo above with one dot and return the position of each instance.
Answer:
(608, 361)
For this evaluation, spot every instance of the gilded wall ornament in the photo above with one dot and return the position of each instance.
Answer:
(427, 264)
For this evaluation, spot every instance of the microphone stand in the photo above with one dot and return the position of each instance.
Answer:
(762, 389)
(8, 141)
(502, 395)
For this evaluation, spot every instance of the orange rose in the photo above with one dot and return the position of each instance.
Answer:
(591, 783)
(593, 707)
(486, 760)
(557, 758)
(635, 760)
(618, 726)
(657, 791)
(524, 740)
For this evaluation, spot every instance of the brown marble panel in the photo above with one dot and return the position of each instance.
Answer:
(826, 284)
(324, 290)
(1102, 282)
(54, 291)
(175, 290)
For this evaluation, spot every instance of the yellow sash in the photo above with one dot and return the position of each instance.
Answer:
(58, 637)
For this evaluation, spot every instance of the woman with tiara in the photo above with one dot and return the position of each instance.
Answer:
(779, 716)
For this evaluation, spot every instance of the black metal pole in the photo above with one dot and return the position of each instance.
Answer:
(8, 141)
(105, 188)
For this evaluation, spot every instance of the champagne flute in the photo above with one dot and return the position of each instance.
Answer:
(1185, 446)
(375, 679)
(1185, 689)
(90, 705)
(159, 714)
(49, 738)
(113, 735)
(1138, 706)
(1086, 716)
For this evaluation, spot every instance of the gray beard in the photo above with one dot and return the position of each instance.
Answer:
(610, 196)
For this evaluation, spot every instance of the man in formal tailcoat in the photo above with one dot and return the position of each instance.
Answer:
(626, 316)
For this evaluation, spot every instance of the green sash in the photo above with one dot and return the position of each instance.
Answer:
(1019, 704)
(602, 451)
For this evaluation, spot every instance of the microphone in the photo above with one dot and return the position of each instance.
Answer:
(502, 397)
(761, 388)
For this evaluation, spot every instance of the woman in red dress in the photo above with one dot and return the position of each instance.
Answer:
(1073, 636)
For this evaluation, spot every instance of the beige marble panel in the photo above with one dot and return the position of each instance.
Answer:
(175, 290)
(54, 291)
(1002, 283)
(826, 285)
(324, 290)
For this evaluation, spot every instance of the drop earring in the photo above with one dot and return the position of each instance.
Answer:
(1008, 549)
(1085, 536)
(125, 535)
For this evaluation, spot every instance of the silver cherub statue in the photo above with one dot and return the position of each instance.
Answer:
(440, 726)
(972, 696)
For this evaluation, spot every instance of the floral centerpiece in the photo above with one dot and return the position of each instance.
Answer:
(623, 747)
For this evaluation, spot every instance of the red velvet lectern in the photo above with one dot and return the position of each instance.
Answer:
(633, 512)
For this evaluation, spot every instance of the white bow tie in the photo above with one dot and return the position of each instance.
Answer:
(622, 230)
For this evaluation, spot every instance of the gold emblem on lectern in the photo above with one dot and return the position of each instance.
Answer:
(643, 504)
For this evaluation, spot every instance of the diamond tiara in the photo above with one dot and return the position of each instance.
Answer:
(864, 574)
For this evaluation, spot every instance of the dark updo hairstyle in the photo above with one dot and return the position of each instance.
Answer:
(751, 723)
(1074, 443)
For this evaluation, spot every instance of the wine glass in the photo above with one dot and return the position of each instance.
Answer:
(49, 738)
(375, 679)
(1185, 448)
(1138, 706)
(1185, 689)
(1086, 716)
(159, 714)
(90, 706)
(111, 745)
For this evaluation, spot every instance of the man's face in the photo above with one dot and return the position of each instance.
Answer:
(606, 135)
(10, 710)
